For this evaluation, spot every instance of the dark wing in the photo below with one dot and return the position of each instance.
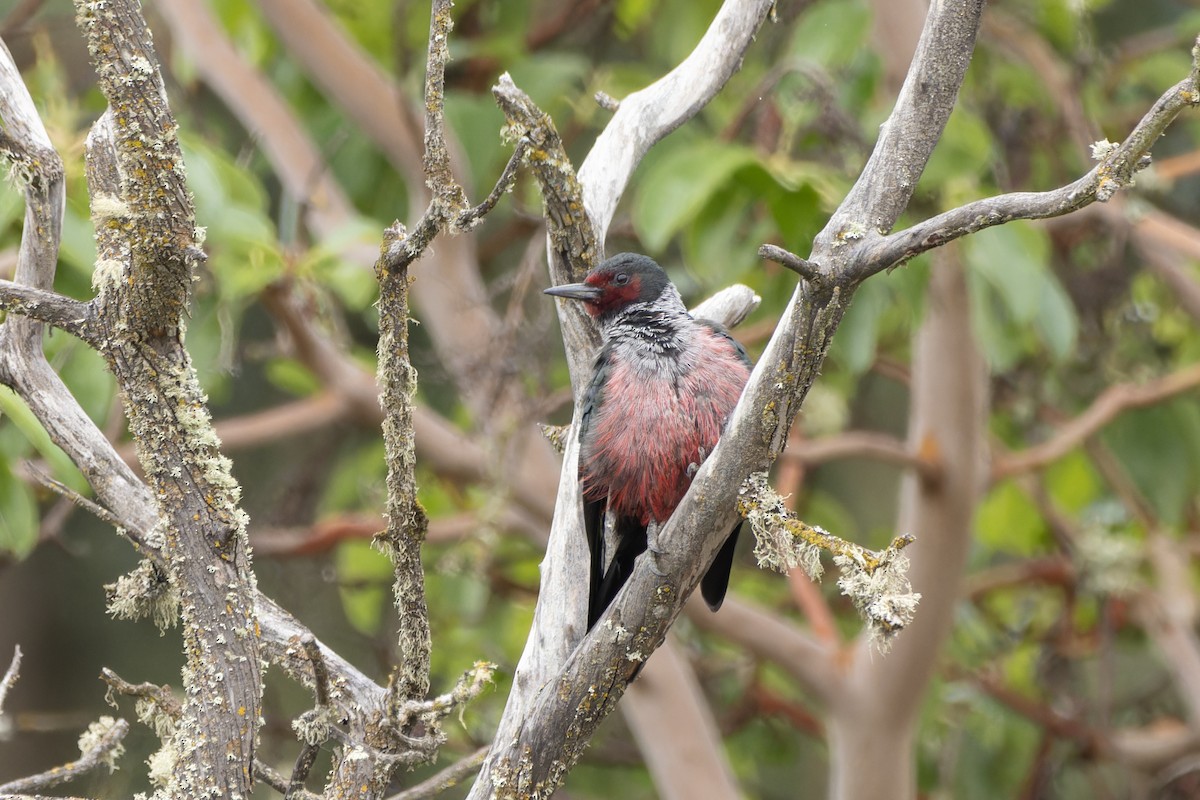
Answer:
(593, 510)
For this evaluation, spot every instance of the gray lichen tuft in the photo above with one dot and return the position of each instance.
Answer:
(775, 546)
(145, 592)
(881, 592)
(313, 726)
(94, 739)
(556, 435)
(877, 582)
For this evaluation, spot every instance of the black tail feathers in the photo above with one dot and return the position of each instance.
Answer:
(631, 538)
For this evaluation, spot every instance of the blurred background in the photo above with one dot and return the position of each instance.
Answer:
(1073, 620)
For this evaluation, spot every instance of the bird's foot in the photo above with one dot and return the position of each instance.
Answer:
(653, 549)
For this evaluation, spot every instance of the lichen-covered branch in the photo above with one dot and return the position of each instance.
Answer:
(447, 779)
(99, 746)
(413, 728)
(147, 592)
(406, 520)
(151, 191)
(572, 241)
(147, 245)
(874, 580)
(52, 308)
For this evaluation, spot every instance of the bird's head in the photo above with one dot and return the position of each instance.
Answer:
(624, 280)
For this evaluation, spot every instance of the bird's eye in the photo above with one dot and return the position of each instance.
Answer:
(621, 279)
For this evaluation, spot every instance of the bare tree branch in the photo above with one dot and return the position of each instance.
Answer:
(572, 240)
(675, 730)
(565, 711)
(406, 520)
(448, 778)
(862, 444)
(52, 308)
(60, 488)
(646, 116)
(947, 417)
(11, 676)
(1115, 170)
(358, 700)
(1112, 401)
(1168, 613)
(1160, 237)
(808, 661)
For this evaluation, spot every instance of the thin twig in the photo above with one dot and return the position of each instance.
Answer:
(312, 744)
(801, 266)
(448, 778)
(102, 752)
(320, 669)
(1040, 712)
(304, 764)
(862, 444)
(271, 776)
(508, 176)
(11, 675)
(161, 696)
(60, 488)
(449, 200)
(1111, 402)
(65, 313)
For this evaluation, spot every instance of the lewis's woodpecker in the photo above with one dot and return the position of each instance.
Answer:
(662, 389)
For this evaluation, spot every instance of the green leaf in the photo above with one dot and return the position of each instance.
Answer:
(364, 577)
(63, 468)
(677, 186)
(832, 33)
(1159, 447)
(18, 515)
(854, 343)
(990, 325)
(1073, 482)
(1012, 260)
(963, 154)
(1056, 322)
(1009, 522)
(292, 376)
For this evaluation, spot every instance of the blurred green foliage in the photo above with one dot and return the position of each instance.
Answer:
(766, 161)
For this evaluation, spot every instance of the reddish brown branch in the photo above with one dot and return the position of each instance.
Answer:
(864, 444)
(1103, 410)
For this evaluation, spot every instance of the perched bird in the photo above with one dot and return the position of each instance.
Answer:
(662, 389)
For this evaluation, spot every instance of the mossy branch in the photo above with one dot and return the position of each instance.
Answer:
(99, 746)
(416, 734)
(876, 580)
(148, 245)
(407, 521)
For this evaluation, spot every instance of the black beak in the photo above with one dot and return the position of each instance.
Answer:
(575, 291)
